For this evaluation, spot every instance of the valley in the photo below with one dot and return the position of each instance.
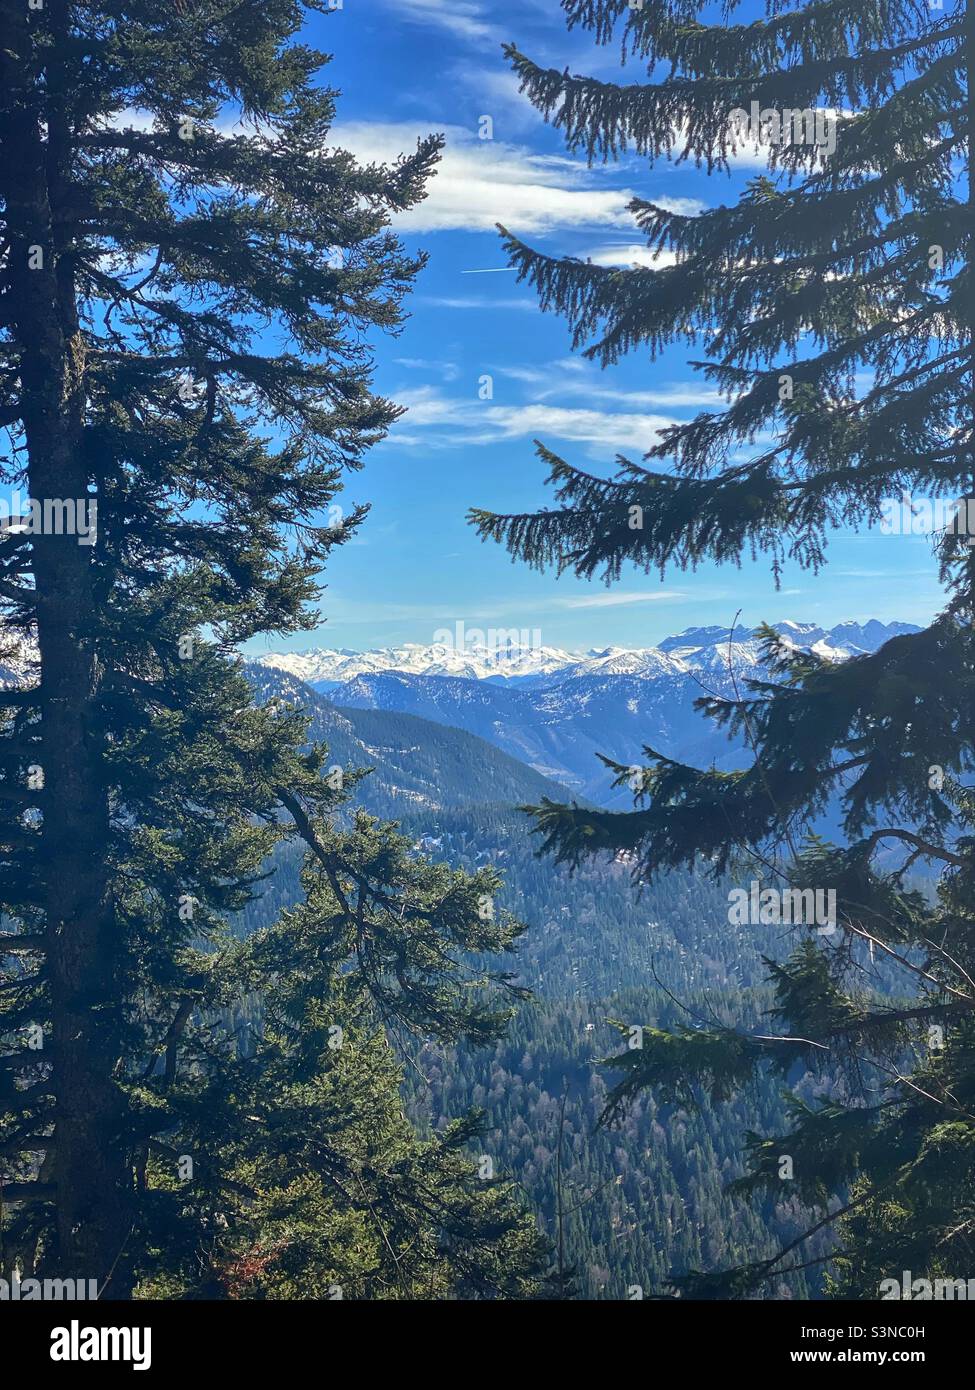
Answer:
(648, 1196)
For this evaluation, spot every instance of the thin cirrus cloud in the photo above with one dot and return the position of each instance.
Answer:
(437, 421)
(449, 371)
(467, 19)
(617, 600)
(675, 395)
(574, 378)
(473, 301)
(479, 183)
(463, 18)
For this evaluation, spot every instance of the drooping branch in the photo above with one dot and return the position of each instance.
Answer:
(924, 847)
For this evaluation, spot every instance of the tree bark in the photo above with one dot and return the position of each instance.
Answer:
(87, 1168)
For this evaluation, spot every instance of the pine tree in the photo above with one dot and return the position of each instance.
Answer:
(191, 275)
(831, 306)
(305, 1179)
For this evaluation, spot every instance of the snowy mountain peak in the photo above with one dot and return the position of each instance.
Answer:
(695, 637)
(694, 649)
(324, 666)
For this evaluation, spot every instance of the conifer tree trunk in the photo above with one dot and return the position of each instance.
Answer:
(86, 1164)
(131, 993)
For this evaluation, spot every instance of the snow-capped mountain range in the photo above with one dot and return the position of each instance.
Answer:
(557, 710)
(695, 649)
(554, 711)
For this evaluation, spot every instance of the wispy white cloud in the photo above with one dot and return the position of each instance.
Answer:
(617, 600)
(477, 302)
(449, 371)
(496, 92)
(632, 254)
(531, 376)
(676, 395)
(463, 18)
(576, 378)
(446, 422)
(480, 183)
(883, 574)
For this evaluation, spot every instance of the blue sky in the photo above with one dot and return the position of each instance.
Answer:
(408, 67)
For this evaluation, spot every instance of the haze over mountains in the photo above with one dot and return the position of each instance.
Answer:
(553, 711)
(557, 711)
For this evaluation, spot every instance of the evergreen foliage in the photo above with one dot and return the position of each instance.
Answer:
(832, 305)
(192, 276)
(652, 1196)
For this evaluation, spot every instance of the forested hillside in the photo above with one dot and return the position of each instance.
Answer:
(415, 763)
(642, 1198)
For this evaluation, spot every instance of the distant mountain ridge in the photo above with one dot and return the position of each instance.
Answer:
(559, 718)
(536, 666)
(484, 736)
(419, 766)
